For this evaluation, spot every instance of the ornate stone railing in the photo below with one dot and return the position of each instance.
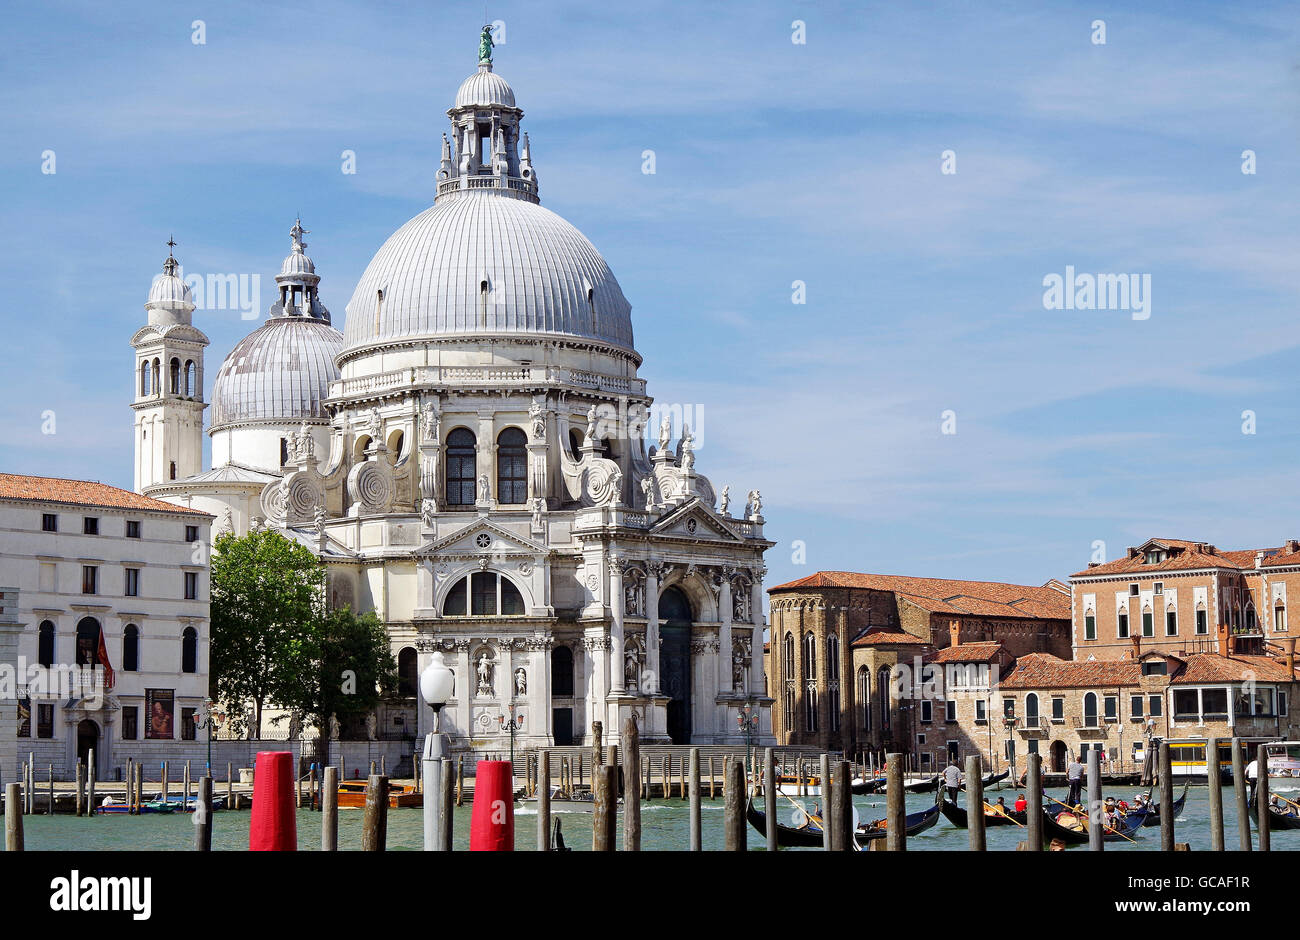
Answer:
(489, 376)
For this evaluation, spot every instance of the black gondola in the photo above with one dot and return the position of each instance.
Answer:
(860, 787)
(1126, 831)
(809, 835)
(992, 779)
(1153, 818)
(920, 786)
(1277, 819)
(960, 818)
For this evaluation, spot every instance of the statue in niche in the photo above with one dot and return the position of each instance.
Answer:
(740, 606)
(539, 506)
(428, 512)
(484, 488)
(630, 668)
(431, 422)
(536, 415)
(738, 674)
(634, 597)
(484, 674)
(521, 681)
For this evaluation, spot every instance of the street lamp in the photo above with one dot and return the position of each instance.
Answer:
(747, 721)
(437, 682)
(513, 725)
(209, 716)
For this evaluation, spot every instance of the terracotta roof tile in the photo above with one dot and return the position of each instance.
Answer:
(1214, 667)
(946, 596)
(1045, 671)
(1186, 556)
(883, 637)
(82, 493)
(966, 653)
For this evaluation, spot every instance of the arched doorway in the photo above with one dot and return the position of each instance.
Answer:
(1058, 757)
(87, 738)
(675, 661)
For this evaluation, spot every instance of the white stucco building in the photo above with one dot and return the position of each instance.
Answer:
(469, 460)
(94, 576)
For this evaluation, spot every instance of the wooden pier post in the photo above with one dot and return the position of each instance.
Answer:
(975, 802)
(13, 817)
(1034, 805)
(374, 828)
(164, 781)
(604, 817)
(343, 768)
(297, 786)
(665, 776)
(1166, 799)
(799, 775)
(329, 811)
(631, 786)
(824, 783)
(374, 769)
(842, 808)
(139, 787)
(733, 794)
(49, 810)
(383, 764)
(597, 752)
(1214, 782)
(460, 780)
(681, 779)
(81, 788)
(446, 805)
(230, 785)
(91, 776)
(696, 828)
(544, 801)
(203, 820)
(30, 788)
(1239, 790)
(186, 795)
(712, 780)
(769, 797)
(1261, 798)
(1096, 831)
(895, 805)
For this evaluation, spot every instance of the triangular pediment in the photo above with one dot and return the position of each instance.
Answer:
(694, 520)
(466, 541)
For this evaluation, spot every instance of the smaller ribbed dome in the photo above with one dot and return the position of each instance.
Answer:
(297, 263)
(168, 289)
(280, 372)
(485, 89)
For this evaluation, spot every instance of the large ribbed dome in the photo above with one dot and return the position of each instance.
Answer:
(279, 372)
(542, 276)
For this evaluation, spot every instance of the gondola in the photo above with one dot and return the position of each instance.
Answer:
(859, 786)
(992, 779)
(916, 786)
(1153, 818)
(809, 835)
(1276, 819)
(959, 817)
(1126, 831)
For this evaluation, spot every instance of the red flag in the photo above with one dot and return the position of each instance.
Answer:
(103, 661)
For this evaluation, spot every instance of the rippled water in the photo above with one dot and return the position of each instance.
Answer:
(664, 826)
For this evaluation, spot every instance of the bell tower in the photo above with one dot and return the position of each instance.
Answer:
(168, 381)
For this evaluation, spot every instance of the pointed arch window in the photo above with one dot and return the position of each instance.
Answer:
(882, 690)
(833, 680)
(512, 466)
(461, 457)
(864, 696)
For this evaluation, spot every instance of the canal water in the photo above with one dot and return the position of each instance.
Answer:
(664, 827)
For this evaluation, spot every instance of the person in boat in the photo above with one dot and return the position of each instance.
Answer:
(1252, 777)
(1000, 807)
(1140, 801)
(1074, 776)
(952, 779)
(1021, 805)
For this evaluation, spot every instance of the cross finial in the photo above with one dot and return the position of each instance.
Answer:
(171, 243)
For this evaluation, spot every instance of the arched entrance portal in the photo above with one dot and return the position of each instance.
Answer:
(87, 738)
(1058, 757)
(675, 661)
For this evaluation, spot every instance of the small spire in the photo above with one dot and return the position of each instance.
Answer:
(169, 266)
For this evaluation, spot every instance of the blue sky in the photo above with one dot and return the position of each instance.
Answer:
(775, 162)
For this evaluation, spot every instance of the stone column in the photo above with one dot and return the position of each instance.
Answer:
(539, 691)
(425, 602)
(617, 645)
(756, 641)
(653, 570)
(596, 644)
(723, 662)
(465, 680)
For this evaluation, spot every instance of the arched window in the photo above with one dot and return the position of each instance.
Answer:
(88, 642)
(787, 653)
(882, 690)
(512, 466)
(131, 648)
(833, 680)
(408, 673)
(575, 443)
(460, 467)
(864, 696)
(176, 376)
(190, 650)
(1090, 710)
(191, 373)
(809, 682)
(561, 672)
(45, 644)
(809, 656)
(1031, 710)
(1279, 618)
(396, 441)
(488, 594)
(145, 388)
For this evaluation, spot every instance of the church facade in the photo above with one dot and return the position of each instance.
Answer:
(469, 459)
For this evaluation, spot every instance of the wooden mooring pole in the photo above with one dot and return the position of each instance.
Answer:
(1034, 807)
(696, 830)
(1166, 799)
(544, 802)
(895, 805)
(1214, 783)
(374, 831)
(13, 817)
(733, 794)
(91, 776)
(1239, 790)
(203, 816)
(975, 802)
(1261, 798)
(769, 797)
(631, 786)
(1096, 830)
(824, 782)
(604, 817)
(329, 815)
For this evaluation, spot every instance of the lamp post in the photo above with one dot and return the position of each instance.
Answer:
(747, 721)
(516, 723)
(209, 716)
(436, 686)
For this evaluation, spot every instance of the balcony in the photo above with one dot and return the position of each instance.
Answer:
(1089, 727)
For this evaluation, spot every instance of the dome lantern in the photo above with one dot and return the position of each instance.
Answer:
(298, 281)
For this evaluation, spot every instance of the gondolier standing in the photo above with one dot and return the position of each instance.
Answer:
(952, 780)
(1252, 777)
(1074, 776)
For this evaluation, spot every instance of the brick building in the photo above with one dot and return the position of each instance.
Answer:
(837, 637)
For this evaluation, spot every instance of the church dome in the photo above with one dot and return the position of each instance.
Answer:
(279, 372)
(168, 289)
(539, 274)
(296, 264)
(485, 89)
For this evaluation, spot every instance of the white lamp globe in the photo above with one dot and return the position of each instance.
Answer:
(437, 682)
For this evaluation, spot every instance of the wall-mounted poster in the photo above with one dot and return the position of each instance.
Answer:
(159, 713)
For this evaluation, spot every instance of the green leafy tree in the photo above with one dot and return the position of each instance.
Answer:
(267, 603)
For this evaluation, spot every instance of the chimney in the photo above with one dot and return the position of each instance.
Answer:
(1290, 655)
(1137, 647)
(954, 633)
(1292, 545)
